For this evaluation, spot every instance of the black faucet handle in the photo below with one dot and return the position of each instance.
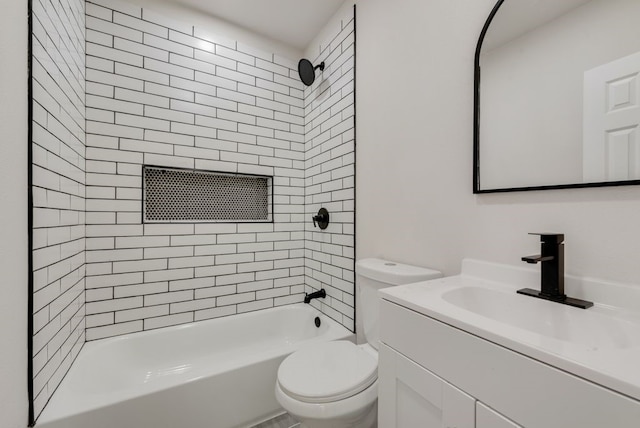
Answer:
(550, 238)
(321, 219)
(537, 258)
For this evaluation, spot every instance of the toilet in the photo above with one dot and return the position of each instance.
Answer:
(335, 384)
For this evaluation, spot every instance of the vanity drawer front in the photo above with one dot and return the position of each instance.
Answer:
(526, 391)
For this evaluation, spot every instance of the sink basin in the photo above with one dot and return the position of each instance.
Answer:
(590, 328)
(600, 344)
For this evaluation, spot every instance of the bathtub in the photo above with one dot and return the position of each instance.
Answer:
(219, 373)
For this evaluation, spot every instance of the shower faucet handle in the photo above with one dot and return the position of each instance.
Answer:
(321, 219)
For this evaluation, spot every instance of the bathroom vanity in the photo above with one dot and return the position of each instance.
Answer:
(468, 351)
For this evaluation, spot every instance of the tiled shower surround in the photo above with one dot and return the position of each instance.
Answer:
(330, 171)
(160, 92)
(58, 69)
(164, 93)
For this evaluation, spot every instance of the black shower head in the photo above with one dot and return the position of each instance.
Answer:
(307, 71)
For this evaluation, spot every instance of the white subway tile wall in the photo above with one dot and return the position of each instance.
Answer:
(58, 191)
(329, 129)
(161, 92)
(164, 93)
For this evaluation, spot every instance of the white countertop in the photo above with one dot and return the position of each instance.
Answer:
(600, 344)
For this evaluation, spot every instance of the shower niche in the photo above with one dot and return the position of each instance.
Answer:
(172, 195)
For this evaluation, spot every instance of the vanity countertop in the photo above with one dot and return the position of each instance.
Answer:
(600, 344)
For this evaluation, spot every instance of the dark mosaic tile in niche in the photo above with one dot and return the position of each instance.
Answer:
(192, 195)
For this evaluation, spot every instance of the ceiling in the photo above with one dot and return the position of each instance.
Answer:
(291, 22)
(519, 17)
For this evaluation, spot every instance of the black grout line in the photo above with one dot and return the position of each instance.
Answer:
(68, 368)
(57, 50)
(62, 326)
(170, 40)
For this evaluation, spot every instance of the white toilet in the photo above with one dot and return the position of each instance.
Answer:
(335, 384)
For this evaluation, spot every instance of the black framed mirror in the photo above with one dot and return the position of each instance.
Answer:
(557, 96)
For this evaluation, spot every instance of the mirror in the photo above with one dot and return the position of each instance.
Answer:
(557, 95)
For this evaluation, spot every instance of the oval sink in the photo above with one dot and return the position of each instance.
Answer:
(548, 319)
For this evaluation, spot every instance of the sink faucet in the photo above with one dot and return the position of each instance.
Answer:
(552, 276)
(552, 258)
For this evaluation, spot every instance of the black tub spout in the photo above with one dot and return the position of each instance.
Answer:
(316, 295)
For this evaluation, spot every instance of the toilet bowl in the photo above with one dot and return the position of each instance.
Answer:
(335, 384)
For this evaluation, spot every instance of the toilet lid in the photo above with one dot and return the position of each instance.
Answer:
(326, 372)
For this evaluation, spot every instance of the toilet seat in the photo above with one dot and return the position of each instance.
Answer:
(327, 372)
(346, 408)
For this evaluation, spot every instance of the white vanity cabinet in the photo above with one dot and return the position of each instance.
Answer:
(411, 396)
(487, 418)
(434, 375)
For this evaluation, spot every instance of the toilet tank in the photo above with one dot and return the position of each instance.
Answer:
(374, 274)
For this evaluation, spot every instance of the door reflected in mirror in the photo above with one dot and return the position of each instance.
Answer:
(558, 95)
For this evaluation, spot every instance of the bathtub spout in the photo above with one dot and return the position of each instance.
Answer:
(317, 294)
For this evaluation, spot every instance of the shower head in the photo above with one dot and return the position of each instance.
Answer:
(307, 71)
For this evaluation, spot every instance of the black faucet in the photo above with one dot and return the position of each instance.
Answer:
(322, 219)
(552, 277)
(317, 294)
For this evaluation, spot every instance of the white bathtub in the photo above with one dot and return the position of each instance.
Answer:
(219, 373)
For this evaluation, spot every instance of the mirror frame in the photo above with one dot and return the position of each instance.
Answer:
(476, 132)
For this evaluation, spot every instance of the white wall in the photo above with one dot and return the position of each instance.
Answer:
(414, 155)
(13, 224)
